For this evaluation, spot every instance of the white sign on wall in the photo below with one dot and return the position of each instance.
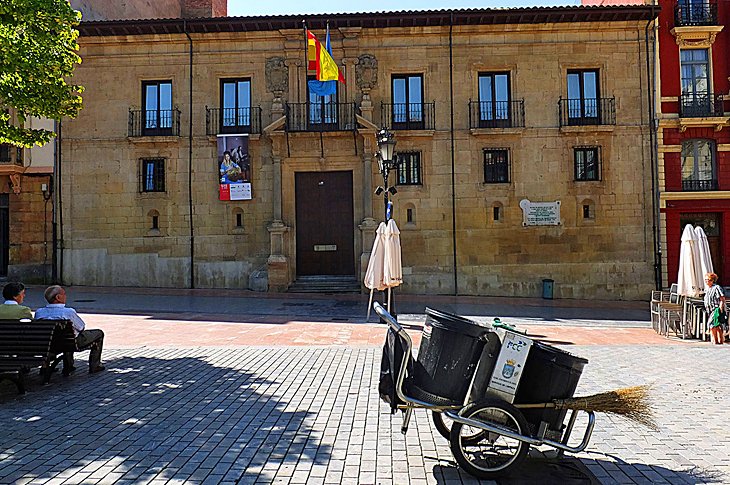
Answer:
(540, 213)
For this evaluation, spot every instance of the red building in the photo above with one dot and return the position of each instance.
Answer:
(693, 136)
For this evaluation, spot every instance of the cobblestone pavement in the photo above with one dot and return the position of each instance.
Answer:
(295, 415)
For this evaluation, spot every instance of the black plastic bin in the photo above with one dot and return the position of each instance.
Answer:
(450, 349)
(550, 373)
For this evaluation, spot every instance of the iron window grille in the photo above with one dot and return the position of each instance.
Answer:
(409, 168)
(152, 175)
(587, 163)
(496, 165)
(699, 165)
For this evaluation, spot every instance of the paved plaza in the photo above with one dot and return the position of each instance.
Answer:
(220, 401)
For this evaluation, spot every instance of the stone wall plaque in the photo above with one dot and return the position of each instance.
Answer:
(540, 213)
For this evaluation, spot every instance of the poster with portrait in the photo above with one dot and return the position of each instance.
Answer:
(234, 168)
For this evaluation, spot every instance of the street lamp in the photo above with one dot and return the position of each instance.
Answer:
(386, 163)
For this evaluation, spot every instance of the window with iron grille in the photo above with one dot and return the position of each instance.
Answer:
(587, 163)
(409, 168)
(235, 114)
(496, 165)
(153, 175)
(699, 170)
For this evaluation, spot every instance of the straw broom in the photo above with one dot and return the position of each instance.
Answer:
(630, 402)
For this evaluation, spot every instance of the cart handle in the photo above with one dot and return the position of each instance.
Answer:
(387, 317)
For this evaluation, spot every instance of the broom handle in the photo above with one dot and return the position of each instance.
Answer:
(535, 406)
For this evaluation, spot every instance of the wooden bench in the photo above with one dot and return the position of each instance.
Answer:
(25, 345)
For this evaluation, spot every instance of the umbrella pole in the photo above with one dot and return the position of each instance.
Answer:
(370, 304)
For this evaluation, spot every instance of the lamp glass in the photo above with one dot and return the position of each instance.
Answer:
(386, 145)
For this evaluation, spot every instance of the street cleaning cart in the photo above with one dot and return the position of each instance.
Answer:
(494, 392)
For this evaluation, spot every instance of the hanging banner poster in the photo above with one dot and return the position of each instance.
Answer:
(234, 168)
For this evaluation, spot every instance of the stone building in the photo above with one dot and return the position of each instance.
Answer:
(693, 137)
(522, 138)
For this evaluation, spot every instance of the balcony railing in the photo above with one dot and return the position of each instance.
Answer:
(163, 122)
(690, 13)
(408, 116)
(232, 120)
(320, 117)
(699, 185)
(587, 111)
(496, 114)
(698, 105)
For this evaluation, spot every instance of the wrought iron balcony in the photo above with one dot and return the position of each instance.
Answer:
(320, 117)
(587, 111)
(163, 122)
(496, 114)
(232, 120)
(699, 105)
(408, 116)
(699, 185)
(691, 13)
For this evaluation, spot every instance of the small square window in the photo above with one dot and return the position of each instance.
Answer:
(153, 175)
(587, 163)
(409, 168)
(496, 166)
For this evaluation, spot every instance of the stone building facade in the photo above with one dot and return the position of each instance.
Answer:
(522, 136)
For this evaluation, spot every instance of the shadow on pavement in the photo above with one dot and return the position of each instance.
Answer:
(572, 471)
(145, 417)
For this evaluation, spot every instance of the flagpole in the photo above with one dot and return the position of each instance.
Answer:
(306, 62)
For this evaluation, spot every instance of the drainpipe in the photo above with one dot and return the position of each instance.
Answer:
(453, 163)
(654, 152)
(190, 159)
(58, 243)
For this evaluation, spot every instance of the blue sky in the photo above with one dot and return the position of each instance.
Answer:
(281, 7)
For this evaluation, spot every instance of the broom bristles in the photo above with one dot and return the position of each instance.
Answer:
(630, 402)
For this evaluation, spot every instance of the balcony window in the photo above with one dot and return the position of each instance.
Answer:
(697, 99)
(583, 98)
(5, 154)
(407, 106)
(494, 100)
(698, 165)
(158, 112)
(323, 110)
(695, 12)
(235, 114)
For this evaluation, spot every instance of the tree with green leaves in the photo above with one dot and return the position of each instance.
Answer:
(38, 54)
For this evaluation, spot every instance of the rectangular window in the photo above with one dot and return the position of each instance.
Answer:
(157, 102)
(696, 89)
(583, 97)
(698, 165)
(407, 106)
(409, 168)
(587, 163)
(235, 106)
(4, 153)
(153, 175)
(322, 109)
(494, 100)
(496, 165)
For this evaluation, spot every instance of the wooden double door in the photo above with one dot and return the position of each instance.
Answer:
(325, 227)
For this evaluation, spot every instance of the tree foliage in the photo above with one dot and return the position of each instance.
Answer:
(38, 54)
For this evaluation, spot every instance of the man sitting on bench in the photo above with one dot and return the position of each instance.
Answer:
(12, 309)
(57, 310)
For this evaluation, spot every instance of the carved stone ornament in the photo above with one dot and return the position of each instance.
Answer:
(277, 76)
(366, 72)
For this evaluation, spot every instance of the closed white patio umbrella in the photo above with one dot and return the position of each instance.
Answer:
(689, 280)
(704, 252)
(374, 273)
(392, 264)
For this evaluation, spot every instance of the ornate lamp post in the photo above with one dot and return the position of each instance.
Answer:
(386, 163)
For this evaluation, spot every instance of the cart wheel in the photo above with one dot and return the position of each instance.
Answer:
(443, 425)
(496, 454)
